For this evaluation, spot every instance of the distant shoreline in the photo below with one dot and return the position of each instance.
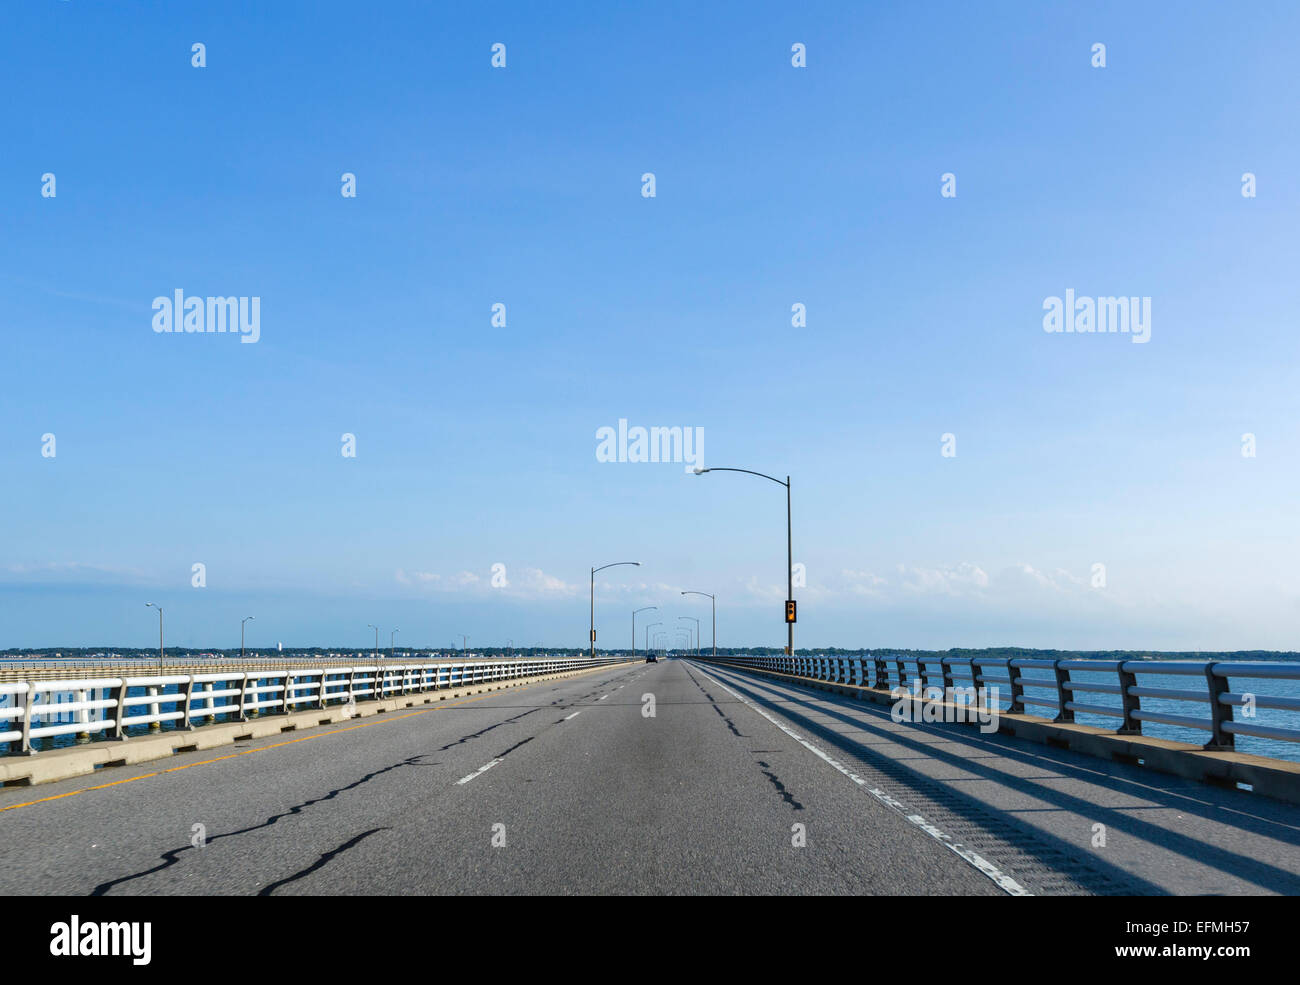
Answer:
(112, 652)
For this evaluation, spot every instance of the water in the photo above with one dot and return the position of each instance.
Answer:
(1195, 709)
(1276, 718)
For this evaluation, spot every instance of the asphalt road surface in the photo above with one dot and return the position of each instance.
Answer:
(676, 777)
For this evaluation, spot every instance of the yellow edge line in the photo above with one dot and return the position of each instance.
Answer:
(249, 752)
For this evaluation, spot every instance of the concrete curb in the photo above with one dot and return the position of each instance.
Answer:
(1276, 778)
(72, 761)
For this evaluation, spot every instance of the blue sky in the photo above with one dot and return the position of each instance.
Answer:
(775, 185)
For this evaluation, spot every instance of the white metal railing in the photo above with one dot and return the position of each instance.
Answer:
(110, 706)
(1012, 676)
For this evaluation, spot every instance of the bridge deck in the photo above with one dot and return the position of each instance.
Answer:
(594, 796)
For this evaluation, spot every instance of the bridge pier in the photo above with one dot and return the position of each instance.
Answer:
(83, 716)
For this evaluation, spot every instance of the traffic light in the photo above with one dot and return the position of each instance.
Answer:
(790, 611)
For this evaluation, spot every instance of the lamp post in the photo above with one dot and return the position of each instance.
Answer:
(593, 598)
(647, 635)
(697, 632)
(241, 636)
(376, 629)
(714, 599)
(634, 612)
(390, 643)
(160, 635)
(789, 549)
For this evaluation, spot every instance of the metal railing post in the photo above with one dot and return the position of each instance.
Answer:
(1063, 714)
(1017, 691)
(882, 673)
(1130, 702)
(240, 714)
(949, 681)
(1219, 711)
(187, 694)
(25, 723)
(118, 731)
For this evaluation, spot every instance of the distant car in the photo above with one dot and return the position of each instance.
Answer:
(652, 659)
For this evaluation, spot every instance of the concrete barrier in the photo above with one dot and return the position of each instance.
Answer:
(1277, 778)
(83, 760)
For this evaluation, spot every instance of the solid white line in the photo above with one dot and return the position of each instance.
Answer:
(574, 715)
(478, 772)
(1000, 878)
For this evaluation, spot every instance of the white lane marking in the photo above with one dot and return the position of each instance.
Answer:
(478, 772)
(1000, 878)
(602, 697)
(574, 715)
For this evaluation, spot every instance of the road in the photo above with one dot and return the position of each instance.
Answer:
(735, 784)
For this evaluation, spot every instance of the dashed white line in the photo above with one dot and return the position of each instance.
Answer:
(477, 772)
(1000, 878)
(602, 697)
(574, 715)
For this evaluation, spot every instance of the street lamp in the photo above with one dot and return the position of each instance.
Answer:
(390, 643)
(715, 619)
(376, 629)
(160, 637)
(593, 598)
(241, 636)
(789, 550)
(697, 632)
(634, 612)
(647, 634)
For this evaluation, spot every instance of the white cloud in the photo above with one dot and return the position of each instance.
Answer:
(962, 578)
(50, 572)
(524, 583)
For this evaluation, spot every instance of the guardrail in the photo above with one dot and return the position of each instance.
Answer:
(112, 705)
(19, 670)
(1064, 694)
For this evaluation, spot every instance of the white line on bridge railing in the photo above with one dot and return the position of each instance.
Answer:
(109, 706)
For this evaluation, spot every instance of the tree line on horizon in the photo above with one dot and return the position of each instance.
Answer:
(85, 652)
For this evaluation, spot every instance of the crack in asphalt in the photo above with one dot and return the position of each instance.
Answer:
(173, 856)
(485, 731)
(780, 787)
(324, 860)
